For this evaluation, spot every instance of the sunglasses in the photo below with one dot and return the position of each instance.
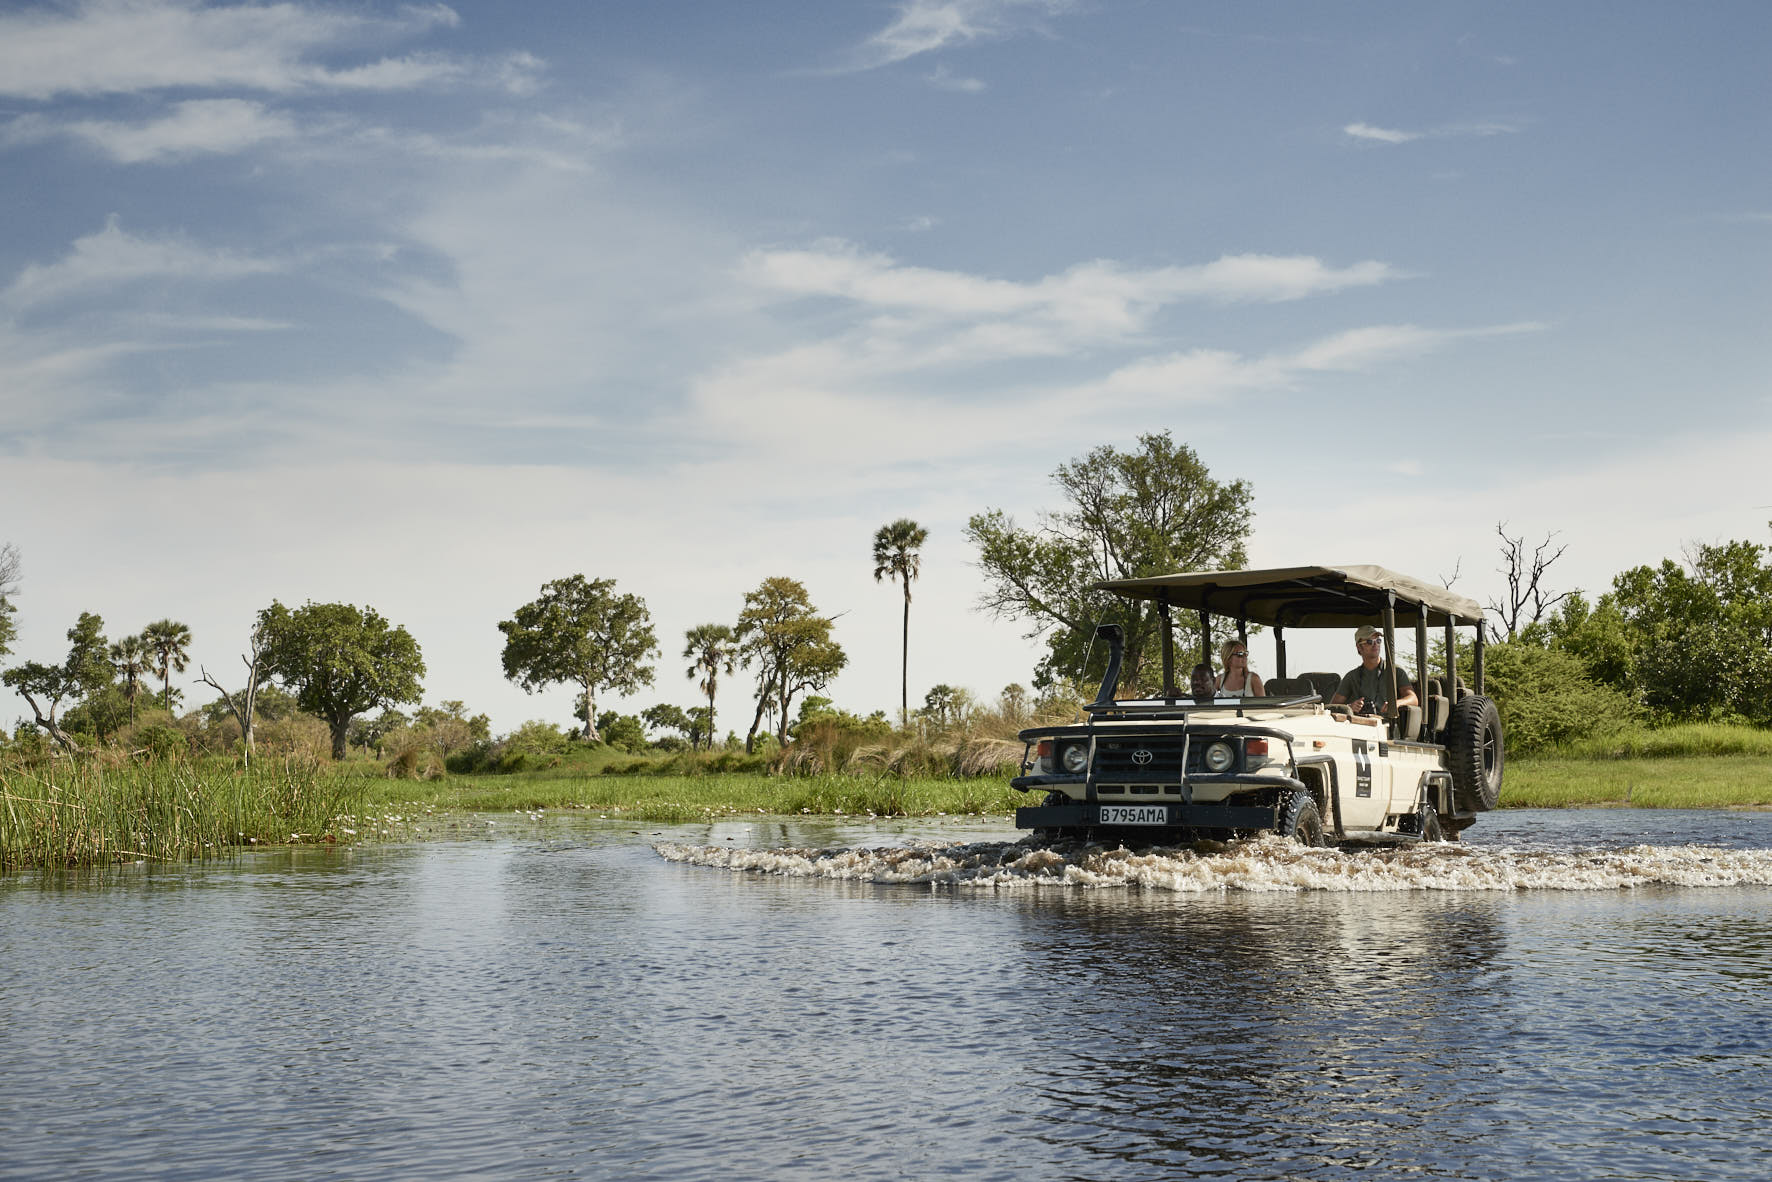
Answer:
(1368, 640)
(1239, 653)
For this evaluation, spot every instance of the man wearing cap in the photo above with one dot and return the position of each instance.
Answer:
(1367, 686)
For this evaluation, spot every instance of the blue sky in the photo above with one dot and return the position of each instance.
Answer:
(422, 306)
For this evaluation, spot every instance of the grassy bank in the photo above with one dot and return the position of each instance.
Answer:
(69, 813)
(64, 813)
(689, 798)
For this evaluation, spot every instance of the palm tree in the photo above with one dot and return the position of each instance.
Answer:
(714, 649)
(897, 556)
(170, 641)
(130, 658)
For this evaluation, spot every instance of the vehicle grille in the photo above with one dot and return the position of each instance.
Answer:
(1153, 759)
(1118, 761)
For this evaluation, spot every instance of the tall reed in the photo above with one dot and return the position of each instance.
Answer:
(82, 812)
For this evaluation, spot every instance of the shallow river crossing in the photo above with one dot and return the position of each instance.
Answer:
(1569, 994)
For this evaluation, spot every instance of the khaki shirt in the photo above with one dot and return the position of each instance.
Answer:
(1374, 685)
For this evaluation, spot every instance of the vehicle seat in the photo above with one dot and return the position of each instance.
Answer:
(1288, 687)
(1323, 683)
(1409, 723)
(1439, 712)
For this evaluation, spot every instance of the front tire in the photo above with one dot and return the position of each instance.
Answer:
(1300, 821)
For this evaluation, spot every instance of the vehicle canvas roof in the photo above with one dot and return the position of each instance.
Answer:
(1304, 596)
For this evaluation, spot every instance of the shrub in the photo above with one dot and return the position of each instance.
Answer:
(1546, 698)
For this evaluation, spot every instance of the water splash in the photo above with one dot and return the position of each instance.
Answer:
(1262, 864)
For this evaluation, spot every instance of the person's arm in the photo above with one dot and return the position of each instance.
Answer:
(1256, 685)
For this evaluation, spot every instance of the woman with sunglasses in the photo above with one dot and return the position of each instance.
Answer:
(1238, 680)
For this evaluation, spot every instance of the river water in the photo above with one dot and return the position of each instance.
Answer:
(1568, 995)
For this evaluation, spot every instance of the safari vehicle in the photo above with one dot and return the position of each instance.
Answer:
(1173, 767)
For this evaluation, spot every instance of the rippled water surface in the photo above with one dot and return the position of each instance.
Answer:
(1569, 995)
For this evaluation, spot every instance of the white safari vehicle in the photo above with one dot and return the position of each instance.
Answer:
(1174, 766)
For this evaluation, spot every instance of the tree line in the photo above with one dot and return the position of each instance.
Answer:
(1674, 642)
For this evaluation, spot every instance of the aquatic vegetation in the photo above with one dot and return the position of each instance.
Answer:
(85, 812)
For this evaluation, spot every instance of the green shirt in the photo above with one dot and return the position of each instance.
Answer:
(1374, 685)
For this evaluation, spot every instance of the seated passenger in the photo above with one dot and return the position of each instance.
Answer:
(1367, 686)
(1238, 680)
(1204, 686)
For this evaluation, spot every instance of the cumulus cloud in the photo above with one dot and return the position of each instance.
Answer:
(104, 47)
(924, 26)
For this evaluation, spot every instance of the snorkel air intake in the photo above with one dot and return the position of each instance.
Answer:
(1110, 681)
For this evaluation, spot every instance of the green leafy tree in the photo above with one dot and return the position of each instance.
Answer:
(898, 555)
(580, 631)
(1690, 641)
(782, 636)
(44, 688)
(945, 706)
(89, 662)
(10, 566)
(129, 657)
(341, 661)
(624, 732)
(1127, 515)
(714, 650)
(170, 642)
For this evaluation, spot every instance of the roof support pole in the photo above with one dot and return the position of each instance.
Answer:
(1279, 650)
(1477, 673)
(1169, 691)
(1421, 654)
(1451, 688)
(1390, 642)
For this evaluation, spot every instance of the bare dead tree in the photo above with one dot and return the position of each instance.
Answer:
(1525, 581)
(242, 707)
(1446, 581)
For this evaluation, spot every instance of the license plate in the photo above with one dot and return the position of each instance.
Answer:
(1134, 814)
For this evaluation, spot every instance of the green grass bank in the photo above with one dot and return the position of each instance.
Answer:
(91, 811)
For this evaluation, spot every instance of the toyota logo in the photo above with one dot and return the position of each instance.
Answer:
(1141, 757)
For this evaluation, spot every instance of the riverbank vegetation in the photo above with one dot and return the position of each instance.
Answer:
(57, 812)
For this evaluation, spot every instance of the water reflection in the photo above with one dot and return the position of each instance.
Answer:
(1209, 1036)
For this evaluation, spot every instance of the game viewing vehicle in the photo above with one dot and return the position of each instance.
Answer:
(1177, 766)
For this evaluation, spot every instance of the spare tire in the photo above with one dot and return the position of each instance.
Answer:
(1475, 753)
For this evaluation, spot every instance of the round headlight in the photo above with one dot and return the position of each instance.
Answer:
(1075, 758)
(1219, 757)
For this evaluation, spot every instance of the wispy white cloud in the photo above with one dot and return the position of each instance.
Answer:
(113, 257)
(1384, 135)
(1100, 297)
(193, 128)
(102, 47)
(924, 26)
(1208, 375)
(1391, 135)
(943, 78)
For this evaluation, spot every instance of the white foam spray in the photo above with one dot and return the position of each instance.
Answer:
(1260, 864)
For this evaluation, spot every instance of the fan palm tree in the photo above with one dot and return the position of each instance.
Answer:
(714, 649)
(129, 657)
(170, 642)
(897, 555)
